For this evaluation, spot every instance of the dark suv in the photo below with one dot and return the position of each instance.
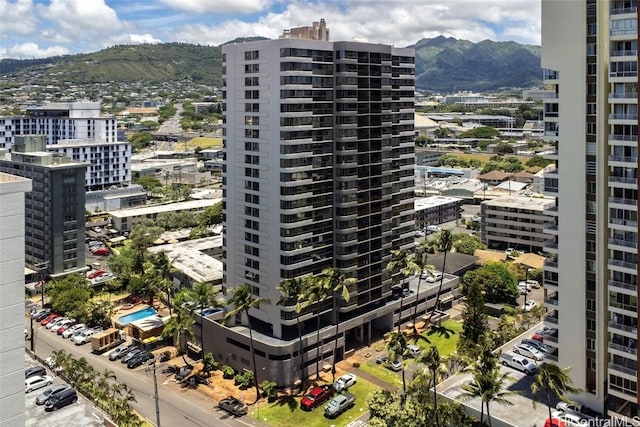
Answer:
(36, 370)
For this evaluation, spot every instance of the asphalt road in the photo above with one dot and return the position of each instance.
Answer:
(178, 406)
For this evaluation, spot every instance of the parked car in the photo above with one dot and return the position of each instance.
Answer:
(101, 251)
(432, 229)
(74, 329)
(413, 350)
(36, 382)
(316, 396)
(83, 337)
(59, 400)
(435, 276)
(49, 318)
(394, 365)
(62, 324)
(49, 362)
(40, 314)
(51, 391)
(533, 283)
(130, 355)
(382, 359)
(569, 419)
(519, 362)
(537, 344)
(139, 359)
(570, 406)
(233, 406)
(120, 351)
(529, 351)
(64, 327)
(529, 304)
(339, 404)
(344, 382)
(34, 371)
(56, 321)
(95, 273)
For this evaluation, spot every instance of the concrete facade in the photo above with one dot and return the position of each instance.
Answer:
(54, 223)
(12, 216)
(319, 150)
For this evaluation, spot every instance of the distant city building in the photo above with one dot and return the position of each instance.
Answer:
(436, 210)
(57, 121)
(317, 31)
(475, 100)
(54, 209)
(515, 222)
(115, 198)
(12, 217)
(109, 163)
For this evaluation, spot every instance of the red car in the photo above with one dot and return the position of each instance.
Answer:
(100, 251)
(537, 337)
(554, 422)
(95, 273)
(49, 318)
(64, 328)
(316, 396)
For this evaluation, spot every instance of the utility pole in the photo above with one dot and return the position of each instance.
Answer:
(156, 398)
(42, 267)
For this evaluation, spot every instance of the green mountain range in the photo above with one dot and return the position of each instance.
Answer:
(442, 65)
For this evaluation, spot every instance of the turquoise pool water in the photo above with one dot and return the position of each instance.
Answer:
(137, 315)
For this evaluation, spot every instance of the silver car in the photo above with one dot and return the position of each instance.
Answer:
(45, 395)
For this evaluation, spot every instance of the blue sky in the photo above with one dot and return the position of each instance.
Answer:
(41, 28)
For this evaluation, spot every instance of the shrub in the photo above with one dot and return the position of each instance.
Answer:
(356, 364)
(269, 390)
(227, 372)
(244, 380)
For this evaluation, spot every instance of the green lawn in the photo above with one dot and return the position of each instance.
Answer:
(287, 412)
(382, 373)
(446, 339)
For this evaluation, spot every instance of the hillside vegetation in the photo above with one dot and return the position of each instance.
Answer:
(442, 65)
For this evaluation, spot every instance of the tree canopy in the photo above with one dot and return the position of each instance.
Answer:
(496, 281)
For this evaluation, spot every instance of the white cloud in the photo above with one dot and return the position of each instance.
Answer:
(17, 17)
(131, 39)
(219, 6)
(32, 50)
(81, 16)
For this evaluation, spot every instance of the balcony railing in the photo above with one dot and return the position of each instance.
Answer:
(622, 327)
(628, 116)
(621, 201)
(550, 264)
(628, 286)
(552, 245)
(623, 180)
(551, 357)
(623, 10)
(623, 264)
(624, 52)
(628, 138)
(623, 369)
(552, 301)
(625, 243)
(550, 319)
(626, 349)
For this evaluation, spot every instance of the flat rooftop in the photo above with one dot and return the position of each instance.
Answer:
(434, 201)
(521, 202)
(171, 207)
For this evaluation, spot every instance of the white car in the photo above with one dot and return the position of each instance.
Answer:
(524, 285)
(83, 337)
(63, 324)
(529, 351)
(432, 276)
(55, 322)
(569, 419)
(344, 382)
(528, 305)
(36, 382)
(72, 330)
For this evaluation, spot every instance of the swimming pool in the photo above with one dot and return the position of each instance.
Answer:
(137, 315)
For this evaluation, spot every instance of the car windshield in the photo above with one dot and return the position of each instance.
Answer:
(310, 396)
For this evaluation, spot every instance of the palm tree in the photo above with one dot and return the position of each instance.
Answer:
(397, 347)
(418, 262)
(338, 285)
(204, 296)
(242, 300)
(445, 242)
(432, 361)
(179, 328)
(552, 380)
(291, 290)
(63, 360)
(488, 385)
(315, 292)
(400, 260)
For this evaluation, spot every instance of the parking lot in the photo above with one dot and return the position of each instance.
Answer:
(81, 413)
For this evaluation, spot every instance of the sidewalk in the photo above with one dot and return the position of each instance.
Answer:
(374, 380)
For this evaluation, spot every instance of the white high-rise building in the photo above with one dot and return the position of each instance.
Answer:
(590, 57)
(12, 216)
(319, 158)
